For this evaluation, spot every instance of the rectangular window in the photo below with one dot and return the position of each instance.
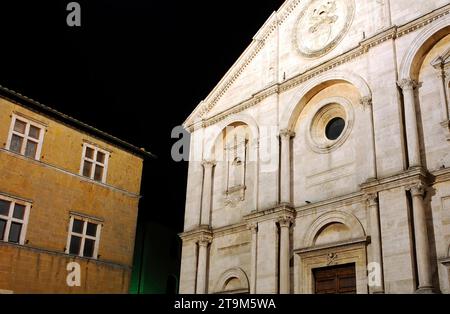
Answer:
(13, 220)
(84, 237)
(25, 137)
(94, 163)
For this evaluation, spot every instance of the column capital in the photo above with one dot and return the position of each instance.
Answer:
(366, 101)
(417, 189)
(287, 134)
(253, 227)
(204, 240)
(408, 84)
(285, 221)
(372, 199)
(208, 163)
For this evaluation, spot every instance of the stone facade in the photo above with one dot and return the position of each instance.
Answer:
(53, 190)
(326, 143)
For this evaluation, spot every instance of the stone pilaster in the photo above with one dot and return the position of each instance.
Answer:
(285, 253)
(421, 237)
(442, 79)
(375, 235)
(412, 133)
(202, 270)
(285, 171)
(207, 191)
(253, 227)
(367, 104)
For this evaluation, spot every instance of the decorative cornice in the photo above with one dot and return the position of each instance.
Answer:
(243, 105)
(259, 41)
(423, 21)
(286, 9)
(334, 246)
(337, 202)
(441, 175)
(324, 67)
(364, 46)
(197, 233)
(370, 189)
(405, 179)
(276, 213)
(380, 37)
(412, 179)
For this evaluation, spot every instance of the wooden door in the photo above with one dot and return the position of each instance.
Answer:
(335, 280)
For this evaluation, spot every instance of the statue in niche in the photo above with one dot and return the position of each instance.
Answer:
(237, 158)
(236, 171)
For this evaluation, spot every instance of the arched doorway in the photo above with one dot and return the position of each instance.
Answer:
(334, 256)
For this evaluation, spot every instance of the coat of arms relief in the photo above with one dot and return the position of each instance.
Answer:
(321, 25)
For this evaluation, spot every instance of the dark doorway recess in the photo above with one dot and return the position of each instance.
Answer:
(335, 280)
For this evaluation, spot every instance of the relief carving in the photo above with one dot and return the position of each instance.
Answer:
(236, 152)
(321, 25)
(331, 258)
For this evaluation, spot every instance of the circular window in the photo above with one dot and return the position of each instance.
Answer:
(330, 124)
(335, 128)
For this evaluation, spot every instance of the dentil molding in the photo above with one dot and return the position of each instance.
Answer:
(364, 46)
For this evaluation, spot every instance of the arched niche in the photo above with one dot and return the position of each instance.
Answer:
(214, 133)
(333, 233)
(324, 227)
(421, 45)
(233, 280)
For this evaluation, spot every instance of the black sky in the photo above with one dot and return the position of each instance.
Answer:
(134, 68)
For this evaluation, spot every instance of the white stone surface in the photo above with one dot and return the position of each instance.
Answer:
(273, 88)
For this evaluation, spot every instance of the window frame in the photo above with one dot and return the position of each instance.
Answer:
(94, 162)
(10, 219)
(84, 236)
(25, 136)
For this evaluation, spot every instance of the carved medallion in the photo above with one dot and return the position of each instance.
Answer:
(322, 25)
(331, 258)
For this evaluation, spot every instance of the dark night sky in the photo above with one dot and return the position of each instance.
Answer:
(135, 68)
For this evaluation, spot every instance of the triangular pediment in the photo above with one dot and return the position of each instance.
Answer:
(244, 65)
(299, 36)
(442, 60)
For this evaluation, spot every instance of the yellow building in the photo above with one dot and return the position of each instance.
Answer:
(69, 197)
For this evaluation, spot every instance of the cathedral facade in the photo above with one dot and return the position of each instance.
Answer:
(320, 163)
